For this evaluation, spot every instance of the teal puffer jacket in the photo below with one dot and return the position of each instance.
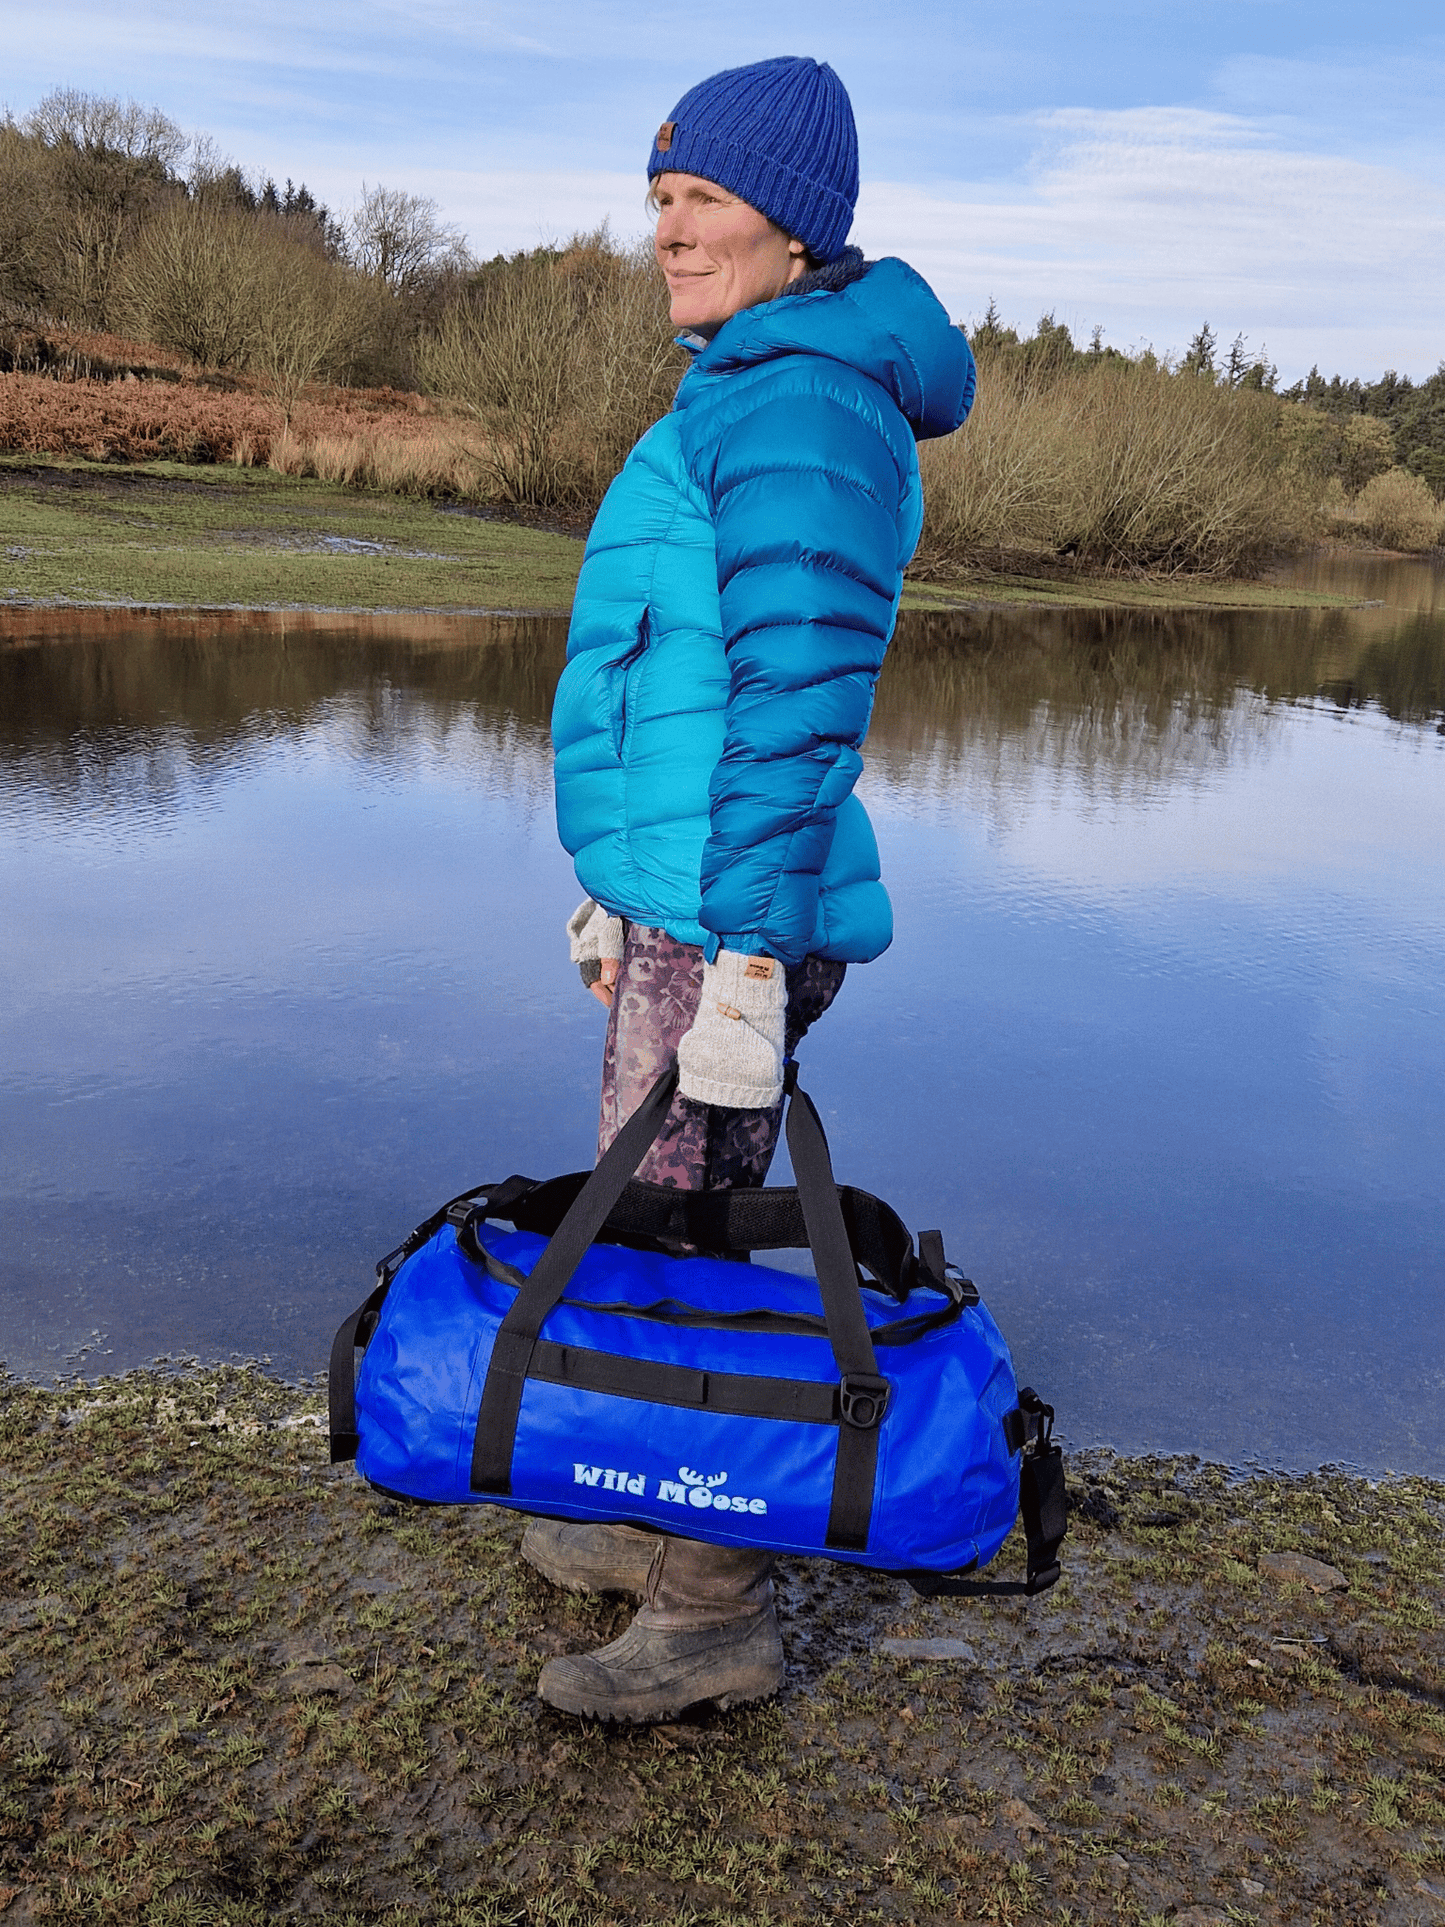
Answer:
(736, 597)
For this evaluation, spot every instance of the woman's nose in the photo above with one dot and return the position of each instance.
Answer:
(672, 230)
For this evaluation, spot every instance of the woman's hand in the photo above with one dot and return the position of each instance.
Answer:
(733, 1054)
(606, 983)
(594, 942)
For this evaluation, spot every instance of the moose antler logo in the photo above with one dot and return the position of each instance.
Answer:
(699, 1489)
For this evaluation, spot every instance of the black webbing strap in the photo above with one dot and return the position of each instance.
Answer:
(341, 1376)
(517, 1334)
(859, 1399)
(723, 1222)
(356, 1330)
(863, 1394)
(1043, 1507)
(736, 1394)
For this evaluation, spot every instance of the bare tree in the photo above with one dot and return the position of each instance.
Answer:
(26, 225)
(305, 316)
(112, 162)
(98, 125)
(190, 282)
(401, 240)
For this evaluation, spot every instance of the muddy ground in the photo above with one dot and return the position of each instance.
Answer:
(237, 1686)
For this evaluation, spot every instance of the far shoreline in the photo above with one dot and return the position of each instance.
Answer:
(172, 539)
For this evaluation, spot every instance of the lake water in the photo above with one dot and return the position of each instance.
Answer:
(1160, 1043)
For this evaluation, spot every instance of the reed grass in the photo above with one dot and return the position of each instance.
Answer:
(443, 458)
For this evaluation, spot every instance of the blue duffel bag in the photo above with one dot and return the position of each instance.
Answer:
(589, 1347)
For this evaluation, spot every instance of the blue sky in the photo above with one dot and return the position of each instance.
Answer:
(1274, 166)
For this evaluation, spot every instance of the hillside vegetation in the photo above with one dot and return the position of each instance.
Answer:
(155, 302)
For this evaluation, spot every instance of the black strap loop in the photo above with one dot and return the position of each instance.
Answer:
(341, 1374)
(1043, 1507)
(850, 1513)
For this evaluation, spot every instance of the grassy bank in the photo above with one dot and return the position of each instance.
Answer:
(162, 533)
(165, 533)
(240, 1687)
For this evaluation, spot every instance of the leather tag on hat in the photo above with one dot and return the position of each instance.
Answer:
(760, 969)
(664, 135)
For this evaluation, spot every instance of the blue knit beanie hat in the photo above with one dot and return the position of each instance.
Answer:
(780, 134)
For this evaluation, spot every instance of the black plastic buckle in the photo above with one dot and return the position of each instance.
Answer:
(1041, 1580)
(963, 1291)
(862, 1400)
(1029, 1427)
(1038, 1424)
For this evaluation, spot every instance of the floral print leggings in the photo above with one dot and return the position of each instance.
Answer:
(701, 1147)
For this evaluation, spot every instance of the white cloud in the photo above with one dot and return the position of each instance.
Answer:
(1149, 220)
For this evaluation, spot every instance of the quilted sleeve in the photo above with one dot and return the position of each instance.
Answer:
(806, 491)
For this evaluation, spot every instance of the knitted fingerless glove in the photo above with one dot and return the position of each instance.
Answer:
(591, 936)
(733, 1054)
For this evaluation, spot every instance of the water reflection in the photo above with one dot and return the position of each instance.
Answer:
(1159, 1042)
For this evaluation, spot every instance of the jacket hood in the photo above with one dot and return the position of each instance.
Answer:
(888, 324)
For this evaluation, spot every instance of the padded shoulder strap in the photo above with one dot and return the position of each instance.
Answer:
(723, 1222)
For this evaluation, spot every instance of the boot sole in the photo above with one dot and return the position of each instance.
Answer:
(644, 1710)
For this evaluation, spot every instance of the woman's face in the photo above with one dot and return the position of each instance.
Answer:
(718, 253)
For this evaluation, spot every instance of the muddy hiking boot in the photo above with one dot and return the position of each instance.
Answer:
(707, 1630)
(590, 1558)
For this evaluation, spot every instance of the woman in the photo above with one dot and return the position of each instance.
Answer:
(738, 591)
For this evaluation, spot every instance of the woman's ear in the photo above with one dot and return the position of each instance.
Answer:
(795, 246)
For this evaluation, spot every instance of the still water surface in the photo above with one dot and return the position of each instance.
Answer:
(1159, 1043)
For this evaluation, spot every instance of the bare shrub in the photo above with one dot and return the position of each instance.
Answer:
(563, 359)
(190, 282)
(508, 362)
(1120, 466)
(998, 484)
(304, 316)
(1398, 510)
(1173, 474)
